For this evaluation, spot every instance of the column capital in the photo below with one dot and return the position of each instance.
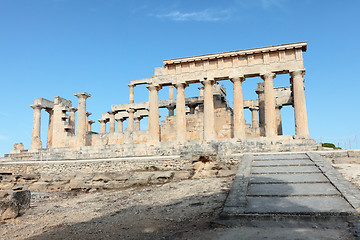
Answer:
(296, 73)
(88, 114)
(180, 84)
(238, 78)
(36, 106)
(153, 87)
(131, 110)
(207, 81)
(120, 119)
(91, 122)
(49, 110)
(131, 85)
(254, 108)
(111, 112)
(103, 120)
(82, 95)
(279, 107)
(268, 76)
(73, 109)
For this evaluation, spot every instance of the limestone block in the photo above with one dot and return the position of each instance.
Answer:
(205, 174)
(7, 186)
(102, 177)
(23, 197)
(4, 194)
(181, 175)
(162, 176)
(9, 209)
(76, 184)
(226, 173)
(140, 178)
(39, 186)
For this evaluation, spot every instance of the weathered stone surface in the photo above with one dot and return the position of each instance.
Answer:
(23, 197)
(9, 209)
(288, 178)
(286, 169)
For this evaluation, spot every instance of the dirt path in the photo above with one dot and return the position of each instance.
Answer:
(176, 210)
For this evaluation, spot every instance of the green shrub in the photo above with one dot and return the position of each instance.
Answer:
(328, 145)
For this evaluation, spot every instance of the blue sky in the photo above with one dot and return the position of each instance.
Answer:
(58, 47)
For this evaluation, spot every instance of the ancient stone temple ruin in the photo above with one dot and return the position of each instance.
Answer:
(207, 120)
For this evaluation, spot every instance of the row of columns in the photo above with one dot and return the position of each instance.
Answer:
(272, 114)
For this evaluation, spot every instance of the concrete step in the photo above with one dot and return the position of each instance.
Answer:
(304, 205)
(280, 156)
(288, 178)
(300, 162)
(292, 189)
(285, 169)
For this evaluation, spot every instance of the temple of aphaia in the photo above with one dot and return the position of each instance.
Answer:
(206, 120)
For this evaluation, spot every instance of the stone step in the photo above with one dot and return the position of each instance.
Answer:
(288, 178)
(281, 157)
(303, 205)
(285, 169)
(300, 162)
(292, 189)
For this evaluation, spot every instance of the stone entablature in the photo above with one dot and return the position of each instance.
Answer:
(206, 118)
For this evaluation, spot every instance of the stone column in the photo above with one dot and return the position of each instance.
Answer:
(87, 118)
(192, 108)
(120, 125)
(131, 94)
(238, 108)
(171, 92)
(180, 113)
(201, 91)
(209, 113)
(36, 143)
(112, 121)
(102, 125)
(171, 109)
(154, 129)
(137, 123)
(255, 117)
(278, 120)
(50, 128)
(72, 111)
(301, 121)
(81, 118)
(90, 122)
(131, 112)
(269, 102)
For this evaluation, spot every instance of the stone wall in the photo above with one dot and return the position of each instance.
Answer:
(111, 174)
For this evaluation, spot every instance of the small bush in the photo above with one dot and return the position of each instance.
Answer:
(328, 145)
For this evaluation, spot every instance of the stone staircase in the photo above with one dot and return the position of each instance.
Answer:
(291, 184)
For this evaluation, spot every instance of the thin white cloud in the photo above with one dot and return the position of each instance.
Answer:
(264, 4)
(207, 15)
(3, 138)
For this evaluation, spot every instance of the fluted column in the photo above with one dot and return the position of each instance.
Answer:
(180, 113)
(103, 125)
(87, 119)
(36, 139)
(269, 102)
(171, 92)
(137, 123)
(81, 118)
(131, 112)
(131, 93)
(192, 108)
(278, 120)
(120, 122)
(50, 127)
(238, 108)
(201, 91)
(112, 121)
(255, 117)
(209, 113)
(301, 121)
(72, 111)
(153, 121)
(171, 109)
(90, 122)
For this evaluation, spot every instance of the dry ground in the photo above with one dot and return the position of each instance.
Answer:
(175, 210)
